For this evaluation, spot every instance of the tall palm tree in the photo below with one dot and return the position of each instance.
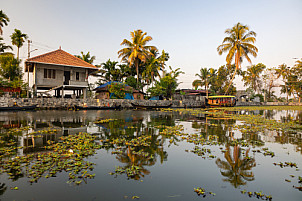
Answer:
(283, 71)
(18, 38)
(136, 50)
(153, 66)
(203, 80)
(86, 57)
(238, 45)
(4, 47)
(3, 21)
(252, 76)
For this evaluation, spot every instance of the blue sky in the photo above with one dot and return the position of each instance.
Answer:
(190, 31)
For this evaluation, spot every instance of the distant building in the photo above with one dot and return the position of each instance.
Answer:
(185, 94)
(59, 71)
(102, 92)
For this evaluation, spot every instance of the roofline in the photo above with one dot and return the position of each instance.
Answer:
(95, 68)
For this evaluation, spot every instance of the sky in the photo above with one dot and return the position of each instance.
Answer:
(189, 30)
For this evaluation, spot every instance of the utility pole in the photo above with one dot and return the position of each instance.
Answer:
(28, 68)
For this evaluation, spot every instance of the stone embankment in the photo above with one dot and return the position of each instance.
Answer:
(59, 103)
(266, 104)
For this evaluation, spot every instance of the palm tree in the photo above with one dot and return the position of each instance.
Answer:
(3, 21)
(109, 68)
(86, 57)
(153, 66)
(203, 79)
(4, 47)
(238, 44)
(252, 76)
(136, 50)
(283, 71)
(18, 38)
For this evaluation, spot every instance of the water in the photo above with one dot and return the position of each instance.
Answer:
(174, 170)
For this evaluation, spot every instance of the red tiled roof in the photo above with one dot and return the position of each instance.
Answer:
(60, 57)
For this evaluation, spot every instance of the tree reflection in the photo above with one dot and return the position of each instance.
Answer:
(236, 169)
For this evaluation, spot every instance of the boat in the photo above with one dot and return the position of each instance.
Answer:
(148, 107)
(18, 108)
(221, 101)
(118, 107)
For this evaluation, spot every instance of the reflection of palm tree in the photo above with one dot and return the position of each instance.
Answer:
(3, 188)
(135, 160)
(236, 169)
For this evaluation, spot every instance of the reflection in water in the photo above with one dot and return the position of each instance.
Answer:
(236, 169)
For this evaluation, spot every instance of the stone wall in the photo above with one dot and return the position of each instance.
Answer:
(59, 103)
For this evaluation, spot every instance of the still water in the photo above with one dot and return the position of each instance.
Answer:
(162, 155)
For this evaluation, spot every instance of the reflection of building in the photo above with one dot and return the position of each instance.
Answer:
(59, 71)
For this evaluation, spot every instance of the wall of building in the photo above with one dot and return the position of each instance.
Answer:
(59, 79)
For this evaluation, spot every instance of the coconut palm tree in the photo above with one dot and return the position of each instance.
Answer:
(252, 76)
(238, 45)
(4, 47)
(136, 50)
(283, 71)
(18, 38)
(3, 21)
(203, 80)
(86, 57)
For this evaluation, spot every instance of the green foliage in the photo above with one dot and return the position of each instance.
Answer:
(86, 57)
(219, 81)
(119, 90)
(131, 81)
(10, 68)
(252, 78)
(18, 38)
(4, 47)
(3, 20)
(167, 85)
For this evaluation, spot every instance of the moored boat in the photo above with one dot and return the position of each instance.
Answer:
(221, 101)
(118, 107)
(150, 107)
(17, 108)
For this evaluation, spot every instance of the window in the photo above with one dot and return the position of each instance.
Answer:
(77, 76)
(49, 73)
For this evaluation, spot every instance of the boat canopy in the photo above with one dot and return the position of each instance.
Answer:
(222, 96)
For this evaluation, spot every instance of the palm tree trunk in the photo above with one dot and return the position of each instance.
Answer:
(18, 53)
(237, 66)
(231, 81)
(136, 66)
(286, 93)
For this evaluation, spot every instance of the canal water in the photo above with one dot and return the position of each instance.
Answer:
(162, 155)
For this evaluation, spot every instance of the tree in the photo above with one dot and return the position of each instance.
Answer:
(4, 47)
(269, 80)
(18, 38)
(238, 45)
(167, 85)
(136, 50)
(221, 78)
(10, 68)
(204, 77)
(283, 71)
(252, 76)
(3, 21)
(86, 57)
(295, 79)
